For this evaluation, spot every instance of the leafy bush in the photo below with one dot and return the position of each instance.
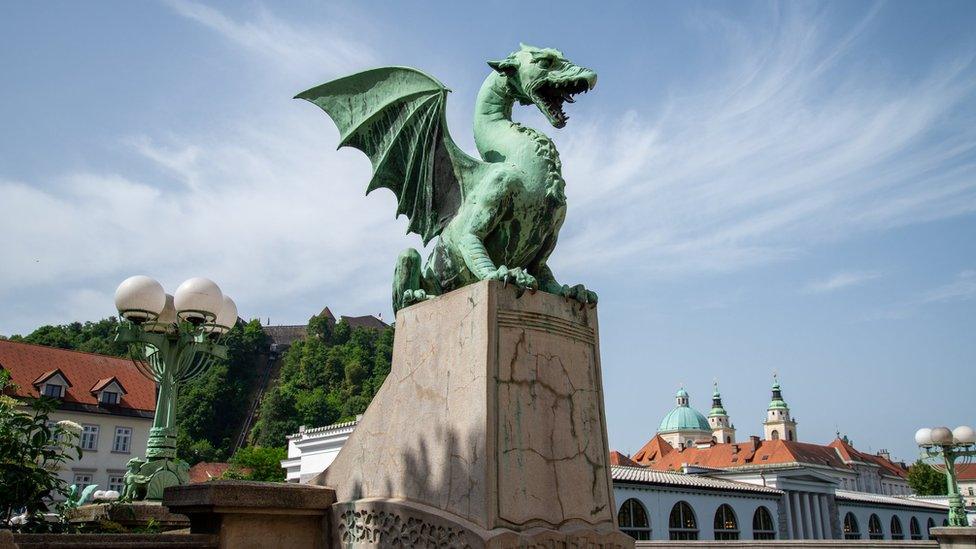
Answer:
(32, 448)
(257, 463)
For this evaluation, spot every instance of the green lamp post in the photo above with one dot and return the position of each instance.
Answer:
(177, 337)
(942, 449)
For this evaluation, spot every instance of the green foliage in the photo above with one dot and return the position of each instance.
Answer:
(32, 448)
(329, 377)
(926, 481)
(91, 337)
(257, 463)
(212, 407)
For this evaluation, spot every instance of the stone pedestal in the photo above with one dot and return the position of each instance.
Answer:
(131, 516)
(955, 537)
(488, 432)
(255, 515)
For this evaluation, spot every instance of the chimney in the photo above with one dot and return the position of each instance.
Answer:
(884, 453)
(754, 442)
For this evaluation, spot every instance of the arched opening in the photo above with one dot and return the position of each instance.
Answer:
(913, 529)
(775, 435)
(728, 439)
(896, 531)
(682, 524)
(762, 524)
(726, 526)
(789, 435)
(851, 530)
(689, 443)
(931, 525)
(945, 522)
(632, 520)
(874, 527)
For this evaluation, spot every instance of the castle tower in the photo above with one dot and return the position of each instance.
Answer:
(778, 424)
(718, 419)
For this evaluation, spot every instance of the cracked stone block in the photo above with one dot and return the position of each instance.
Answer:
(492, 416)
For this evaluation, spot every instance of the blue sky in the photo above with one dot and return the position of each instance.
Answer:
(752, 186)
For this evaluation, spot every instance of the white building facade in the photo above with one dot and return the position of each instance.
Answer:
(107, 396)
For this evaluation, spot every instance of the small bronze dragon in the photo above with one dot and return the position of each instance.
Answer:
(497, 218)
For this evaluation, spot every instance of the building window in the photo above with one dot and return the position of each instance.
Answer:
(682, 524)
(52, 390)
(726, 527)
(123, 436)
(789, 435)
(82, 480)
(775, 434)
(874, 528)
(110, 397)
(913, 529)
(850, 527)
(116, 482)
(89, 437)
(896, 531)
(632, 520)
(762, 524)
(945, 522)
(930, 526)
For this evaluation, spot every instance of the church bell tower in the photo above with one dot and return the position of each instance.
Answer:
(718, 419)
(778, 424)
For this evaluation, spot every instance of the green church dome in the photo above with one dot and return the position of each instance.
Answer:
(683, 417)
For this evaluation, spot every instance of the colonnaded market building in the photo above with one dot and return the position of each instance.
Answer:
(695, 480)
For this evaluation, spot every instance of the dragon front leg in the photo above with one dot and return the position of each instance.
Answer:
(578, 292)
(480, 264)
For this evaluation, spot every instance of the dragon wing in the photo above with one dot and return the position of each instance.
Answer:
(396, 115)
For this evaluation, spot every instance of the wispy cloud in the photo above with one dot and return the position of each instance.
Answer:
(840, 281)
(799, 141)
(289, 45)
(963, 288)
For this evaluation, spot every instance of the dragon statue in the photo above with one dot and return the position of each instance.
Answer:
(497, 218)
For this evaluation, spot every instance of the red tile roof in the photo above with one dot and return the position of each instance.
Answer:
(206, 470)
(850, 453)
(616, 458)
(27, 362)
(659, 455)
(765, 452)
(966, 472)
(655, 449)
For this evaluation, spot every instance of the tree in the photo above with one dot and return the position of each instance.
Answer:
(257, 463)
(32, 448)
(212, 407)
(91, 337)
(330, 376)
(926, 481)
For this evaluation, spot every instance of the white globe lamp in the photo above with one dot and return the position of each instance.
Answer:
(198, 300)
(139, 298)
(923, 437)
(941, 436)
(964, 434)
(226, 318)
(167, 318)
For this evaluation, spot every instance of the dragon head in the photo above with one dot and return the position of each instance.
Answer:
(545, 77)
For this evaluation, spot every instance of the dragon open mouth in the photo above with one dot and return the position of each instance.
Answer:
(550, 96)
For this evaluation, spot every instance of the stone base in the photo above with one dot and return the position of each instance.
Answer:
(131, 516)
(402, 523)
(490, 424)
(255, 515)
(955, 536)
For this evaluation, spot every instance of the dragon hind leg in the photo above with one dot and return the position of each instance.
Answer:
(409, 282)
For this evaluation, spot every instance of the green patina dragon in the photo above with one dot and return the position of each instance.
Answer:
(497, 218)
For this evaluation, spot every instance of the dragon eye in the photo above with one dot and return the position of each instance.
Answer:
(545, 62)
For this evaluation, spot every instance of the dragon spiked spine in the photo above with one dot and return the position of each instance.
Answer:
(497, 217)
